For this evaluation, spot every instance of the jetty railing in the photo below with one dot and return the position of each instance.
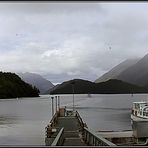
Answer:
(54, 119)
(80, 119)
(59, 138)
(91, 138)
(50, 126)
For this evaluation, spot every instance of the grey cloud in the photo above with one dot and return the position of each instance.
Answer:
(65, 41)
(47, 7)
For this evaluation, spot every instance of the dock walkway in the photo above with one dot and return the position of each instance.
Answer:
(67, 129)
(72, 134)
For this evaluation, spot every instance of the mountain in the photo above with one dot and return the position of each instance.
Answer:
(12, 86)
(117, 70)
(137, 73)
(36, 80)
(80, 87)
(51, 89)
(111, 86)
(114, 86)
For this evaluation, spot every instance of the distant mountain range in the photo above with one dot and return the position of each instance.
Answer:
(36, 80)
(111, 86)
(127, 77)
(51, 89)
(117, 70)
(131, 71)
(137, 73)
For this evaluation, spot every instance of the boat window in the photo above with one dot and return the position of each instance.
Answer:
(145, 109)
(144, 113)
(134, 106)
(137, 106)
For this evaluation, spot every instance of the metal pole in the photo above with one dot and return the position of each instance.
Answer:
(73, 95)
(56, 103)
(52, 106)
(59, 102)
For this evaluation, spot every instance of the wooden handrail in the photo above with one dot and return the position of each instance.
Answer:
(54, 119)
(80, 119)
(48, 128)
(59, 138)
(93, 139)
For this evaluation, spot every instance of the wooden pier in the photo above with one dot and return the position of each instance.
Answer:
(67, 128)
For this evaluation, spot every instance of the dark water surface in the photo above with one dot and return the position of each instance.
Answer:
(23, 121)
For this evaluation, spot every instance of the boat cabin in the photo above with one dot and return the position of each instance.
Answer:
(140, 109)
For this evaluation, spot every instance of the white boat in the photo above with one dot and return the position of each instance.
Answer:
(139, 119)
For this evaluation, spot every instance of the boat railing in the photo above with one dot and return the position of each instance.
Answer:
(91, 138)
(59, 138)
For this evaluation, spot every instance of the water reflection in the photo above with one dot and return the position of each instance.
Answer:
(8, 119)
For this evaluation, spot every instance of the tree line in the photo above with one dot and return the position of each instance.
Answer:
(12, 86)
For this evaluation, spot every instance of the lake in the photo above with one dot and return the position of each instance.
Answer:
(23, 121)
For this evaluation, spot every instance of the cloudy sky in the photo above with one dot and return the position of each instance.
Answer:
(62, 41)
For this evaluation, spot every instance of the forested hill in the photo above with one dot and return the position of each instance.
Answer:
(111, 86)
(12, 86)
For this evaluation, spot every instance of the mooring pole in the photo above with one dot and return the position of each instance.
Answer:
(52, 98)
(56, 104)
(59, 102)
(73, 92)
(73, 99)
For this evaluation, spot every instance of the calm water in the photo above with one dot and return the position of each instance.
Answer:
(23, 121)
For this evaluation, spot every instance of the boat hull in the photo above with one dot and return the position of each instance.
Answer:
(139, 126)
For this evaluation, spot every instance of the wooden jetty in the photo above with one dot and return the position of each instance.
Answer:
(67, 128)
